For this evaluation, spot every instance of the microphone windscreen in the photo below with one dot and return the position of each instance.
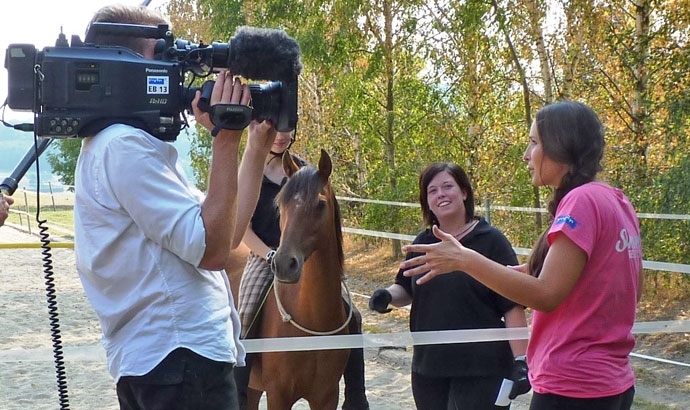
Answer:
(264, 54)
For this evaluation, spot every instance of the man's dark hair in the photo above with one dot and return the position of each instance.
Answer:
(124, 14)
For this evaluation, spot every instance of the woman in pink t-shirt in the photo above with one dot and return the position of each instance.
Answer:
(585, 272)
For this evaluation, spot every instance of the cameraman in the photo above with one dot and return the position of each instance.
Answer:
(150, 248)
(5, 203)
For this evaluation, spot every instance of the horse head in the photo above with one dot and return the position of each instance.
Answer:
(309, 218)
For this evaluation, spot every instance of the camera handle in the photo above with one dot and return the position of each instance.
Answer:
(224, 116)
(230, 117)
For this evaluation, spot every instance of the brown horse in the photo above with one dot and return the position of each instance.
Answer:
(308, 269)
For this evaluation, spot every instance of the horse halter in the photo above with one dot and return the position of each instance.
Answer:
(288, 318)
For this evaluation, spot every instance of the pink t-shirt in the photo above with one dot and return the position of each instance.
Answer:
(581, 348)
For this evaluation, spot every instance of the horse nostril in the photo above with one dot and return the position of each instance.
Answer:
(294, 264)
(287, 268)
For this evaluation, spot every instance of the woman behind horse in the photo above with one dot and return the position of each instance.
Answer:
(262, 238)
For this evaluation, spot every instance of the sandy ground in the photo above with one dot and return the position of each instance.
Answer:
(27, 368)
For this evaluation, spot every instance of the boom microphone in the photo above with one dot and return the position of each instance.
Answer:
(264, 54)
(11, 183)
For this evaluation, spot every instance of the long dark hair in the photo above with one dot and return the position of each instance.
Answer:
(459, 175)
(571, 134)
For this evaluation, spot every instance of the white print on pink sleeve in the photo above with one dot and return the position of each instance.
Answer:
(632, 243)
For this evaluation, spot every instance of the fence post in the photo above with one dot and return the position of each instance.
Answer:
(26, 200)
(26, 206)
(487, 211)
(52, 197)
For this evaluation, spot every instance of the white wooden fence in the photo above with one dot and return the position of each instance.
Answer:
(56, 195)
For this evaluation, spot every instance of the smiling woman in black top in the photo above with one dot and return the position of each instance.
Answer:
(460, 375)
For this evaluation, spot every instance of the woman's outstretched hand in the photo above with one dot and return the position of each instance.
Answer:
(438, 258)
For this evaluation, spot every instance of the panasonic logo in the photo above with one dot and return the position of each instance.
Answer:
(156, 70)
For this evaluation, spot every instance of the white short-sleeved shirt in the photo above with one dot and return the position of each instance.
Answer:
(139, 238)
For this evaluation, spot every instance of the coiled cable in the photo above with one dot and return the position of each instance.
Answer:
(53, 314)
(51, 298)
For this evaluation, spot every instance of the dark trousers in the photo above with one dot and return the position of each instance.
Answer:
(355, 389)
(455, 393)
(242, 380)
(621, 401)
(184, 380)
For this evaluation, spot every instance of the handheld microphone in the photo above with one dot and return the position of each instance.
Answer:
(10, 184)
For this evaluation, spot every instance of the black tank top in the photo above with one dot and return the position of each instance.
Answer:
(266, 220)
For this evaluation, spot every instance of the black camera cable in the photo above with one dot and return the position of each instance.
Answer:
(8, 186)
(51, 298)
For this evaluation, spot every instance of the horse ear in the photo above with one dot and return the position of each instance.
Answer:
(325, 167)
(289, 165)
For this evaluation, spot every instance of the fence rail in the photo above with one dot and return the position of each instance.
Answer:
(488, 207)
(651, 265)
(486, 211)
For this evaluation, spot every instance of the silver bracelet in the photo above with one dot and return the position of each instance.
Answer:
(521, 357)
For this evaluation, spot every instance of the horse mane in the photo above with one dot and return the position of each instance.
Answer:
(305, 185)
(338, 229)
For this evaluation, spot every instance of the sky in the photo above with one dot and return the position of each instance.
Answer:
(38, 22)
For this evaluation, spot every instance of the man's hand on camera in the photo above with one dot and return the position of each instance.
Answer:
(227, 89)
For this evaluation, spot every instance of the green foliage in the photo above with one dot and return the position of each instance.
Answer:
(388, 87)
(670, 193)
(64, 161)
(200, 155)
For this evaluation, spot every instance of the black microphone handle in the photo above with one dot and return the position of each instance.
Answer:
(10, 184)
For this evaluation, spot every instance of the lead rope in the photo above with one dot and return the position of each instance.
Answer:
(287, 318)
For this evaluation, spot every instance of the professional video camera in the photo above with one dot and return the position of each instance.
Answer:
(77, 90)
